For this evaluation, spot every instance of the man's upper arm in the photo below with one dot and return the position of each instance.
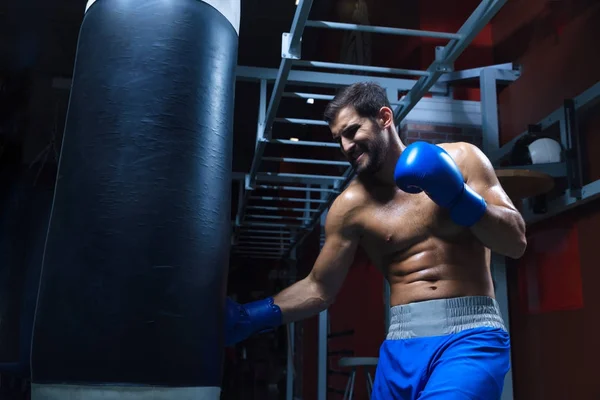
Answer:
(481, 177)
(341, 242)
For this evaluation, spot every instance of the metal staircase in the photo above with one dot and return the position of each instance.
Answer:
(277, 210)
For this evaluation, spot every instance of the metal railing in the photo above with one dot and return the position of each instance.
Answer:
(262, 210)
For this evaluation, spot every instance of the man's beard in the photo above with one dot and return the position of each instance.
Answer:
(375, 154)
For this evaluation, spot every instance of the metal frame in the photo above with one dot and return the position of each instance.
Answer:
(436, 80)
(491, 142)
(323, 333)
(569, 168)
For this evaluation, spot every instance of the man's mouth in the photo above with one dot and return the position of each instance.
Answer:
(358, 155)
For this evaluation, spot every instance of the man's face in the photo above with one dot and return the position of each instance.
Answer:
(361, 140)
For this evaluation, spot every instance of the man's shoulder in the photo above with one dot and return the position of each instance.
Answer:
(458, 148)
(344, 215)
(462, 151)
(354, 198)
(469, 158)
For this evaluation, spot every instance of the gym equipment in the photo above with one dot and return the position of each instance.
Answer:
(545, 150)
(426, 167)
(354, 363)
(243, 320)
(132, 293)
(522, 183)
(23, 228)
(535, 149)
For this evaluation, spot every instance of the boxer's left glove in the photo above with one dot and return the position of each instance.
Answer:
(244, 320)
(426, 167)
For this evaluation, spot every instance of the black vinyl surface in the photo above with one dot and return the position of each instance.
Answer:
(134, 278)
(23, 228)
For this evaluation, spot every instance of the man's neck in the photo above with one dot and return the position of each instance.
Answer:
(386, 174)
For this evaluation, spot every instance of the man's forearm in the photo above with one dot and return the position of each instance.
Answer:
(502, 230)
(301, 300)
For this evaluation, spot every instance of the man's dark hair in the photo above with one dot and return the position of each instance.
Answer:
(367, 98)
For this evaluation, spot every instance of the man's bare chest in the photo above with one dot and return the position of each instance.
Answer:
(404, 221)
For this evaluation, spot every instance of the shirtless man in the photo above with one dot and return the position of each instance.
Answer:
(427, 216)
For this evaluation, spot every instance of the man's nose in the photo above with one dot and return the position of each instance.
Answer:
(347, 145)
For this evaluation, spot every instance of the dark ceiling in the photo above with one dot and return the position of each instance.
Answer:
(43, 44)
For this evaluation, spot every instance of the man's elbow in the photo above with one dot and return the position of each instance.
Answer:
(520, 243)
(327, 299)
(518, 248)
(324, 295)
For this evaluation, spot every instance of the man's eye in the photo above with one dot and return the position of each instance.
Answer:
(351, 132)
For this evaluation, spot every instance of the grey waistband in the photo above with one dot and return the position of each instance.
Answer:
(121, 392)
(443, 317)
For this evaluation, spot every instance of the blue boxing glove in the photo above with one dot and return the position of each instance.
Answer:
(244, 320)
(429, 168)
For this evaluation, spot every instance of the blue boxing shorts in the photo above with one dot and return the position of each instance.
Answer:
(447, 349)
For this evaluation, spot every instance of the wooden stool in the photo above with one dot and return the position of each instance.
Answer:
(523, 183)
(354, 363)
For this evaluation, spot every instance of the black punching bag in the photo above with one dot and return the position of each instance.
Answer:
(132, 293)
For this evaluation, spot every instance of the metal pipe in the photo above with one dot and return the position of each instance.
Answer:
(573, 151)
(292, 199)
(301, 178)
(240, 201)
(382, 29)
(295, 188)
(322, 355)
(278, 217)
(251, 253)
(289, 385)
(271, 225)
(363, 68)
(306, 161)
(261, 143)
(472, 26)
(329, 79)
(266, 238)
(323, 330)
(254, 230)
(489, 111)
(261, 250)
(304, 143)
(299, 22)
(314, 96)
(260, 257)
(475, 73)
(266, 208)
(301, 121)
(262, 243)
(255, 248)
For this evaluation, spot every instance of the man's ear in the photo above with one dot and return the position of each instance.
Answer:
(386, 117)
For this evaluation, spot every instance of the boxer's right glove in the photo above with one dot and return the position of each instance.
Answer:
(244, 320)
(426, 167)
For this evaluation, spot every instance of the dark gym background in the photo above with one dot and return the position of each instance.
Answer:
(554, 353)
